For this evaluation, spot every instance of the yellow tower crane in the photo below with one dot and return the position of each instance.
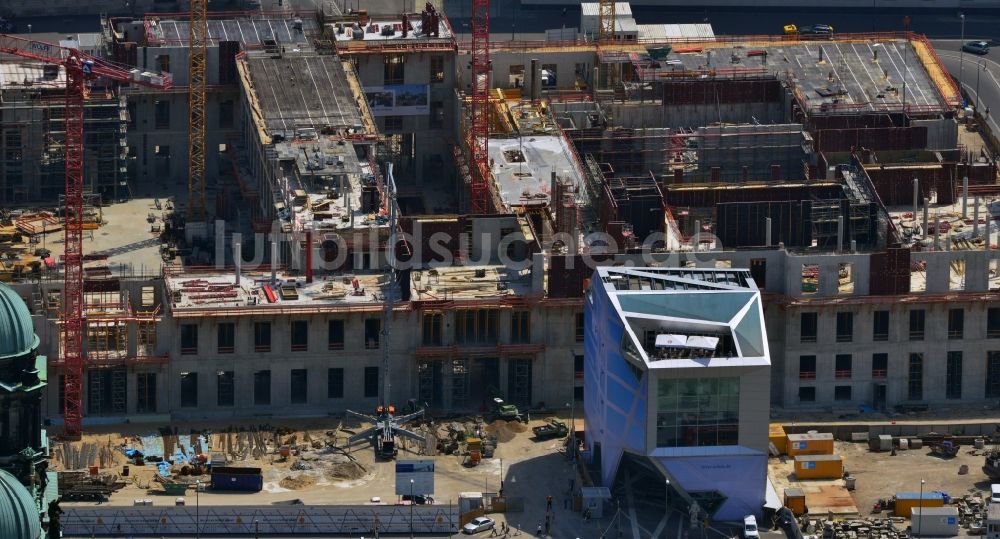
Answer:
(197, 59)
(606, 21)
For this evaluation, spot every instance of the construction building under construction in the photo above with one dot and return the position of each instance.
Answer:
(794, 158)
(808, 162)
(32, 169)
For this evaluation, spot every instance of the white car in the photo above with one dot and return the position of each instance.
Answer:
(478, 524)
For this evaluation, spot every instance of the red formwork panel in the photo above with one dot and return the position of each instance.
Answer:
(713, 92)
(890, 272)
(874, 138)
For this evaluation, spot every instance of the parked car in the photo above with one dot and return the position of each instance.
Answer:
(478, 524)
(822, 29)
(419, 499)
(976, 47)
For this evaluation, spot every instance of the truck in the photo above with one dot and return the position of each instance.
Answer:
(555, 428)
(507, 412)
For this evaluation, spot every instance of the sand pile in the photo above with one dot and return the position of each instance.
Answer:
(505, 431)
(347, 471)
(297, 482)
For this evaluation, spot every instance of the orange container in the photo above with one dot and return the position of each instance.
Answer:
(819, 467)
(818, 443)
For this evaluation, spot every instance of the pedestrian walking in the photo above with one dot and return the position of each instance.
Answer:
(539, 528)
(548, 503)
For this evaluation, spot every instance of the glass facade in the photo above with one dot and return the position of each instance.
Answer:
(697, 412)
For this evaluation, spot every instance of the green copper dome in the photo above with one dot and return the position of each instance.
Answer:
(19, 518)
(17, 336)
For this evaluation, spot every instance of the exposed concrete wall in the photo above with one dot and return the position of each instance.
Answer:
(942, 133)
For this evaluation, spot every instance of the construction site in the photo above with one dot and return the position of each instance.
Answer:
(243, 225)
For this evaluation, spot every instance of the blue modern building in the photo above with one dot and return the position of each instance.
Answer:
(677, 379)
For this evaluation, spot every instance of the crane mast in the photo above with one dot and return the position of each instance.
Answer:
(606, 21)
(389, 300)
(197, 60)
(479, 189)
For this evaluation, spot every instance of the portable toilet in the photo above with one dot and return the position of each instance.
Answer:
(795, 501)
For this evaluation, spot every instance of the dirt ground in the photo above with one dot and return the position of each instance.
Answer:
(332, 477)
(881, 475)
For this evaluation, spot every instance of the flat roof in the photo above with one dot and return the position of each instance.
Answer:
(218, 290)
(468, 282)
(523, 167)
(303, 90)
(331, 178)
(591, 9)
(826, 74)
(30, 75)
(676, 31)
(719, 303)
(375, 30)
(246, 30)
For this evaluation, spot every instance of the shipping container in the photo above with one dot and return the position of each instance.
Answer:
(934, 521)
(906, 501)
(820, 443)
(819, 467)
(233, 478)
(795, 501)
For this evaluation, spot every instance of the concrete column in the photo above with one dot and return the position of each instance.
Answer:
(535, 80)
(274, 261)
(926, 205)
(237, 258)
(937, 231)
(767, 230)
(975, 218)
(916, 193)
(840, 233)
(965, 197)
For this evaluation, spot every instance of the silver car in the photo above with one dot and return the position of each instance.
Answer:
(478, 524)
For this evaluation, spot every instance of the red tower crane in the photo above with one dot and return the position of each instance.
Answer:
(80, 68)
(479, 189)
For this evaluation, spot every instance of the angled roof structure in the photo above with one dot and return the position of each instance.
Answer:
(687, 317)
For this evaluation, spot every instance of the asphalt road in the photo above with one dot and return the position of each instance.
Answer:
(980, 76)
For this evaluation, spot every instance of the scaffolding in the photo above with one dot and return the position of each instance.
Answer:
(32, 168)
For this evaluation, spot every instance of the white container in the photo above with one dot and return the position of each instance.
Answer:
(904, 444)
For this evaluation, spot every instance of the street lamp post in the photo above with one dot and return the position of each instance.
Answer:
(501, 477)
(920, 504)
(411, 508)
(666, 495)
(961, 51)
(979, 72)
(197, 509)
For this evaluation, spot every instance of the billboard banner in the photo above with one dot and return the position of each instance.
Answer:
(399, 99)
(421, 472)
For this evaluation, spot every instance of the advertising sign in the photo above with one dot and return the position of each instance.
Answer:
(399, 99)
